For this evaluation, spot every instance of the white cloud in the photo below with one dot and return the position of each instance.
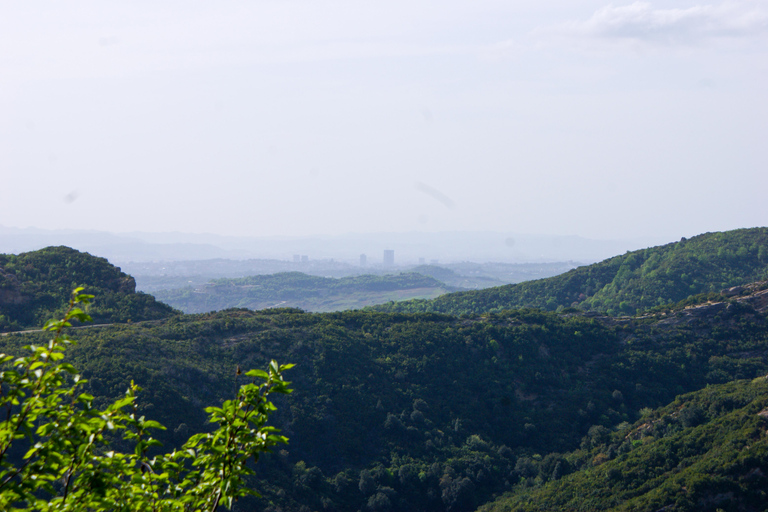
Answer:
(641, 21)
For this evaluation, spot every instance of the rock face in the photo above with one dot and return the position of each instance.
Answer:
(8, 297)
(9, 290)
(735, 290)
(127, 285)
(754, 294)
(12, 297)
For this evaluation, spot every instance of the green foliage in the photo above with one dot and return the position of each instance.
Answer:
(452, 404)
(627, 284)
(34, 285)
(433, 412)
(705, 451)
(296, 289)
(54, 441)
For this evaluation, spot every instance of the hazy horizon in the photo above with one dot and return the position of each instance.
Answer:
(410, 247)
(629, 120)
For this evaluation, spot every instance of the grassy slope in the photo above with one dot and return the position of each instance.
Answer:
(628, 283)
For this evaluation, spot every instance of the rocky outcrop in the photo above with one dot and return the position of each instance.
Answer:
(127, 284)
(9, 290)
(12, 297)
(755, 294)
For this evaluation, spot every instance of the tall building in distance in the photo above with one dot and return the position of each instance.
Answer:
(389, 257)
(304, 258)
(363, 260)
(297, 258)
(421, 261)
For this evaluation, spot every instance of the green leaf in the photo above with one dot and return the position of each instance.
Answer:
(257, 373)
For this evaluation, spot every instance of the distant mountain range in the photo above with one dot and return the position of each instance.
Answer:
(197, 287)
(410, 248)
(153, 277)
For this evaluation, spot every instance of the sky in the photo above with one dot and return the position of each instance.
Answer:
(297, 117)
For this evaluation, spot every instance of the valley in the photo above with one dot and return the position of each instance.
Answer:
(504, 409)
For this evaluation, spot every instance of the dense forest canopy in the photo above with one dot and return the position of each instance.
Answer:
(707, 450)
(510, 409)
(625, 284)
(425, 411)
(34, 286)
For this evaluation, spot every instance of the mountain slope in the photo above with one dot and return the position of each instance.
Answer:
(35, 285)
(707, 450)
(625, 284)
(426, 411)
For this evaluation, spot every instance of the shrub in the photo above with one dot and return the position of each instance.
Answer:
(54, 453)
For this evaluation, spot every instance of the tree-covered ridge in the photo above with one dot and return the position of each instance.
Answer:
(705, 451)
(424, 411)
(35, 285)
(625, 284)
(296, 289)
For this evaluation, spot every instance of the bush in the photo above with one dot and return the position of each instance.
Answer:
(69, 465)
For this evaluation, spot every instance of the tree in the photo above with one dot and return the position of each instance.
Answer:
(55, 454)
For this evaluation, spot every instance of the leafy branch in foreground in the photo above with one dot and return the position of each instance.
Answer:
(54, 454)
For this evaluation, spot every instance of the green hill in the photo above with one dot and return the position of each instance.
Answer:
(298, 290)
(423, 411)
(433, 412)
(706, 451)
(625, 284)
(35, 285)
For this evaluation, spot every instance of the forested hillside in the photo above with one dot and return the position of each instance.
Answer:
(34, 286)
(298, 290)
(705, 451)
(625, 284)
(433, 412)
(425, 411)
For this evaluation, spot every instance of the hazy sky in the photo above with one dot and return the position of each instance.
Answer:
(305, 117)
